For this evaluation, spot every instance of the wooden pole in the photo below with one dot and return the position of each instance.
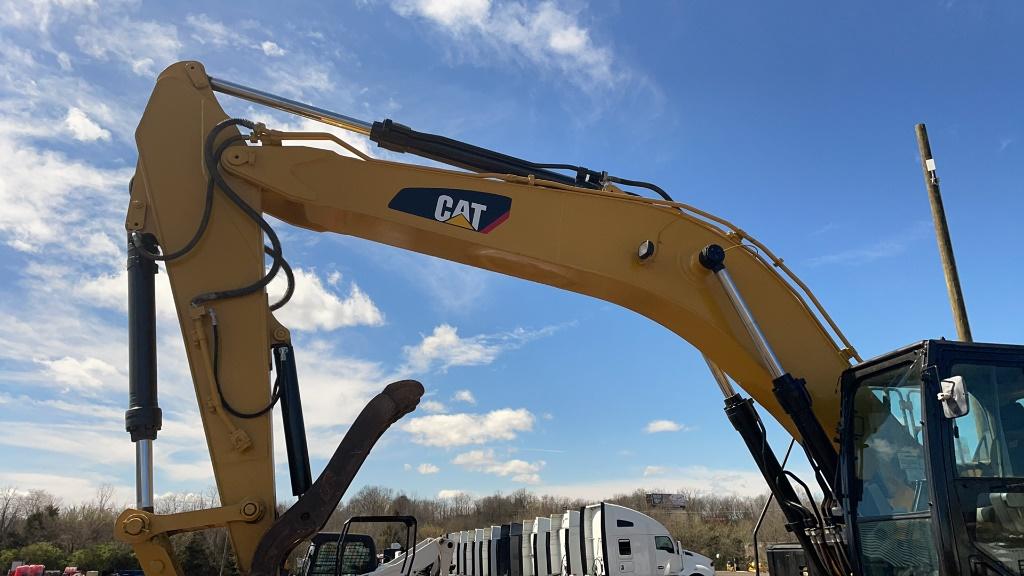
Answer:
(931, 182)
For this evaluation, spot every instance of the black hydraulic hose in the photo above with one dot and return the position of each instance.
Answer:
(764, 512)
(290, 288)
(212, 158)
(657, 189)
(274, 395)
(213, 166)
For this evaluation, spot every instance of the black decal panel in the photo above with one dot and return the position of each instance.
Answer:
(469, 209)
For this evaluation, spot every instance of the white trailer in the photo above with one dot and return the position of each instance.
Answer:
(572, 551)
(481, 552)
(527, 548)
(492, 557)
(598, 540)
(466, 556)
(471, 568)
(555, 545)
(540, 546)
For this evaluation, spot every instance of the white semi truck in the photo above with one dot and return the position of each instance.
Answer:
(597, 540)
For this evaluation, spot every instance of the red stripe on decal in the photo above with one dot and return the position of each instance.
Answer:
(494, 224)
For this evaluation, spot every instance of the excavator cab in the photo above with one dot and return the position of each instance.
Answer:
(933, 460)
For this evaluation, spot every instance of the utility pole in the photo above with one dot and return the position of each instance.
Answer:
(931, 182)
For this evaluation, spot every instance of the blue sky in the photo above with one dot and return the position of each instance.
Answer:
(795, 121)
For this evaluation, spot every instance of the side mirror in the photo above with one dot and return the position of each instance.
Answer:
(953, 397)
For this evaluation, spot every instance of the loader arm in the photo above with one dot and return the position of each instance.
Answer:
(589, 241)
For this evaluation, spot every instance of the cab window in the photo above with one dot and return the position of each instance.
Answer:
(664, 543)
(625, 549)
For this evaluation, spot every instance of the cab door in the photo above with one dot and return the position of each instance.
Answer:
(666, 559)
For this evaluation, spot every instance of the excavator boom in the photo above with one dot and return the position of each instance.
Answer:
(200, 193)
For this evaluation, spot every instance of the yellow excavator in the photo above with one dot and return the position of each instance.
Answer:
(918, 466)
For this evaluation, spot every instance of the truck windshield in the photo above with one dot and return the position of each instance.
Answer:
(989, 447)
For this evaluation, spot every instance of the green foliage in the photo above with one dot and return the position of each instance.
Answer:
(195, 558)
(43, 553)
(7, 556)
(106, 557)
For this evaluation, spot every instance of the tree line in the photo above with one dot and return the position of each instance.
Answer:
(38, 528)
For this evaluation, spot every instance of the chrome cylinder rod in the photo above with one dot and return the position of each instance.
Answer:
(721, 378)
(144, 474)
(289, 105)
(713, 258)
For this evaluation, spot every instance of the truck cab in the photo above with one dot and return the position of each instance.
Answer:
(624, 542)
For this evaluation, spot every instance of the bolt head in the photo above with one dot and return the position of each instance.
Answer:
(135, 525)
(250, 509)
(646, 250)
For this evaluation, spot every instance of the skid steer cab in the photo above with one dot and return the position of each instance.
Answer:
(347, 554)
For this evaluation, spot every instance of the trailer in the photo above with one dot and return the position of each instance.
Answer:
(515, 544)
(597, 540)
(555, 545)
(527, 548)
(572, 549)
(540, 546)
(492, 556)
(478, 565)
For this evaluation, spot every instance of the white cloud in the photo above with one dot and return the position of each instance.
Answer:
(83, 128)
(271, 48)
(43, 192)
(407, 467)
(207, 30)
(426, 468)
(543, 35)
(446, 430)
(40, 14)
(70, 488)
(446, 494)
(455, 14)
(700, 479)
(486, 462)
(145, 47)
(464, 396)
(315, 307)
(87, 373)
(433, 406)
(655, 426)
(655, 470)
(444, 348)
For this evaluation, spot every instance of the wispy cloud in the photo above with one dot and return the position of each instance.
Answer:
(700, 479)
(877, 250)
(543, 35)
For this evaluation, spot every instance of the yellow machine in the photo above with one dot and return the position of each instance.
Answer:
(907, 486)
